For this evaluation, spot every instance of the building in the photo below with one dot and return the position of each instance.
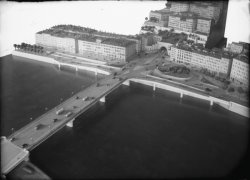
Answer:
(158, 18)
(112, 49)
(186, 22)
(179, 6)
(204, 25)
(90, 31)
(206, 10)
(240, 71)
(216, 62)
(147, 40)
(108, 49)
(198, 37)
(57, 41)
(168, 39)
(238, 48)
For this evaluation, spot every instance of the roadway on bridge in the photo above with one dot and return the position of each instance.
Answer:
(48, 123)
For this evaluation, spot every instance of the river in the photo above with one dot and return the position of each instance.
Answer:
(136, 133)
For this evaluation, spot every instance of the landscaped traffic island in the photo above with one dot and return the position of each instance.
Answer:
(176, 72)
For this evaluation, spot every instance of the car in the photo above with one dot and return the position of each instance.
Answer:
(55, 120)
(68, 114)
(25, 145)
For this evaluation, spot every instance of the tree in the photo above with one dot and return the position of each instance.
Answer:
(224, 86)
(208, 89)
(146, 18)
(240, 90)
(231, 89)
(15, 46)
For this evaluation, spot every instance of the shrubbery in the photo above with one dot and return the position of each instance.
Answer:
(231, 89)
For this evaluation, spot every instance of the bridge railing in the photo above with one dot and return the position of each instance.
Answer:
(36, 121)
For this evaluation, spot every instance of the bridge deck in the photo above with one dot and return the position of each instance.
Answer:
(46, 125)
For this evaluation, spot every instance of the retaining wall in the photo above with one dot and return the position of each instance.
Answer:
(231, 106)
(35, 57)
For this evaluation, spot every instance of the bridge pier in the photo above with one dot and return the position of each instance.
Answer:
(95, 72)
(103, 99)
(181, 94)
(70, 123)
(76, 68)
(127, 83)
(154, 87)
(211, 102)
(59, 66)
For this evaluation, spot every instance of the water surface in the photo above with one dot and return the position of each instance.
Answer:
(30, 88)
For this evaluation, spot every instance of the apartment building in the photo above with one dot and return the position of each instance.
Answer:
(198, 37)
(60, 42)
(240, 70)
(93, 32)
(158, 18)
(206, 10)
(204, 25)
(238, 48)
(108, 49)
(218, 63)
(179, 6)
(186, 22)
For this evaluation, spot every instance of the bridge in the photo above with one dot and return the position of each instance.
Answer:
(53, 120)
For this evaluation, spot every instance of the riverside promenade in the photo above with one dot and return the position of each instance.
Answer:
(49, 123)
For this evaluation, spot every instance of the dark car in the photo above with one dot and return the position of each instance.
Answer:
(55, 120)
(25, 145)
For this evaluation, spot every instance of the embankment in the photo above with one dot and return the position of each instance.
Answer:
(231, 106)
(53, 61)
(35, 57)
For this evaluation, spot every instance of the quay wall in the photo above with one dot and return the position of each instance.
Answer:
(53, 61)
(35, 57)
(231, 106)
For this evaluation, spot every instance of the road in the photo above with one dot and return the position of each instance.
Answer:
(46, 125)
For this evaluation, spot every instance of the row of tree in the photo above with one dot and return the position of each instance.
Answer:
(29, 47)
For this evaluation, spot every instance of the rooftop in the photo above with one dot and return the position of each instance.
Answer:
(243, 57)
(91, 37)
(244, 44)
(201, 33)
(172, 38)
(185, 15)
(85, 30)
(196, 48)
(162, 11)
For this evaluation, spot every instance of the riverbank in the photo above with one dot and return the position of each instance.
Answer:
(229, 105)
(53, 61)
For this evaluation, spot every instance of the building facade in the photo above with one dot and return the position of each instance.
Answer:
(65, 44)
(236, 47)
(206, 10)
(201, 59)
(106, 51)
(104, 48)
(179, 6)
(240, 71)
(198, 37)
(182, 22)
(204, 25)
